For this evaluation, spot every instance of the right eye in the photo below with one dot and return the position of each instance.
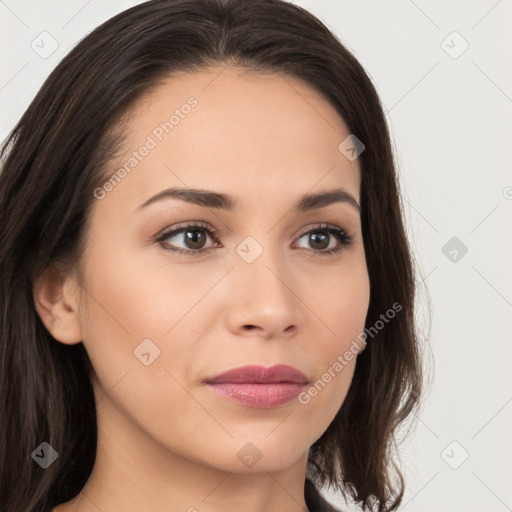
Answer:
(193, 236)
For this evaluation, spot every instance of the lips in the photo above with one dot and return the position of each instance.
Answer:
(259, 387)
(260, 375)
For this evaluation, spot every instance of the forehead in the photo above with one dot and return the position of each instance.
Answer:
(237, 130)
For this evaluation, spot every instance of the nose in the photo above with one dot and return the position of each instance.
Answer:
(264, 299)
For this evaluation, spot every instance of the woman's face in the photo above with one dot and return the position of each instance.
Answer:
(261, 288)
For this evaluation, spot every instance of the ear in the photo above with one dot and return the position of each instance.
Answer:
(56, 300)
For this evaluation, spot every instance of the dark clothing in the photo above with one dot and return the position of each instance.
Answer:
(314, 500)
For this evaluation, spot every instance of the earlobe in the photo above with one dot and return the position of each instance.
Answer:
(57, 307)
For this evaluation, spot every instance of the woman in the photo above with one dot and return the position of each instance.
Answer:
(208, 294)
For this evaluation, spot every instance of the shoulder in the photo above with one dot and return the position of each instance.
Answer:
(314, 500)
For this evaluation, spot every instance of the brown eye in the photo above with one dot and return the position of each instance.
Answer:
(326, 240)
(189, 239)
(192, 239)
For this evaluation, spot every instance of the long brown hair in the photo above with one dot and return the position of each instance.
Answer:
(56, 156)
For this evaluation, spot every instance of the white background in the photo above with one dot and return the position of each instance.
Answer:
(451, 120)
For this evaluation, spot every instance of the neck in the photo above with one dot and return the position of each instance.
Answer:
(135, 473)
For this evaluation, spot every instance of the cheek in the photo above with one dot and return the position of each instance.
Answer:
(136, 309)
(341, 306)
(340, 303)
(129, 313)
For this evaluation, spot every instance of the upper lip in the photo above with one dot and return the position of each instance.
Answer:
(260, 375)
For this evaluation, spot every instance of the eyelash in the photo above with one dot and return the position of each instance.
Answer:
(344, 238)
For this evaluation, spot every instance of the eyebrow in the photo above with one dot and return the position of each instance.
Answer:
(218, 200)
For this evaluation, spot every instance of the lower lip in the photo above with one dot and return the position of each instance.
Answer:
(263, 396)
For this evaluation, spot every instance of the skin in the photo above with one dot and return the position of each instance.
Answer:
(166, 441)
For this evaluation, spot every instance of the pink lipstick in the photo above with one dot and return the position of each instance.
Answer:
(257, 386)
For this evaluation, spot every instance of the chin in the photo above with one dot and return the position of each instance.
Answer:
(258, 453)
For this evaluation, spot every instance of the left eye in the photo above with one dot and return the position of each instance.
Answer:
(321, 240)
(194, 237)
